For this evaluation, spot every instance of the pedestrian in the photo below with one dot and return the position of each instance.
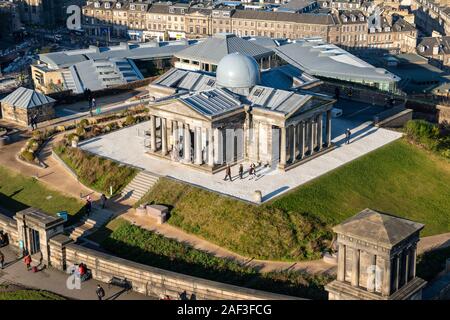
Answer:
(88, 206)
(228, 173)
(35, 121)
(253, 170)
(241, 171)
(103, 200)
(2, 260)
(92, 106)
(28, 261)
(100, 292)
(347, 136)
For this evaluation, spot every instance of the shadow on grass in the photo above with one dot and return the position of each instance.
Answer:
(292, 283)
(10, 205)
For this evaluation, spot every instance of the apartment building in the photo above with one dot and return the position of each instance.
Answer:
(436, 50)
(167, 21)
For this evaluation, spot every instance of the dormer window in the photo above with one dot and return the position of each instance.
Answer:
(372, 30)
(171, 10)
(387, 29)
(182, 11)
(142, 8)
(118, 5)
(97, 4)
(132, 6)
(107, 5)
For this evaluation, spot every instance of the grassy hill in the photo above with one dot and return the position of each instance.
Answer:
(399, 178)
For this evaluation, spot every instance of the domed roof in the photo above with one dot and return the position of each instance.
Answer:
(236, 70)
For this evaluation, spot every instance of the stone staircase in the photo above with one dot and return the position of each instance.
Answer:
(140, 185)
(87, 225)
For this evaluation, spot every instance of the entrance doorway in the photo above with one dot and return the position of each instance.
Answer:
(35, 245)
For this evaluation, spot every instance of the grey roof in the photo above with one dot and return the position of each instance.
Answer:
(150, 50)
(100, 74)
(282, 101)
(187, 80)
(27, 98)
(287, 77)
(327, 60)
(271, 16)
(380, 228)
(265, 42)
(213, 49)
(212, 102)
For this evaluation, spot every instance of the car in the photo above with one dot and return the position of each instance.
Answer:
(336, 112)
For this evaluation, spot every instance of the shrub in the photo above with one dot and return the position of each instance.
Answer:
(130, 120)
(80, 132)
(83, 123)
(72, 136)
(60, 129)
(27, 155)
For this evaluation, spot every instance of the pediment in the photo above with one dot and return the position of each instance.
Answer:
(179, 108)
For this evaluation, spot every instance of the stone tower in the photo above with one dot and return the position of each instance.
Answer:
(376, 258)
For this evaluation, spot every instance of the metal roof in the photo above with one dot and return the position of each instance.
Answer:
(213, 49)
(187, 80)
(212, 102)
(287, 77)
(26, 98)
(150, 50)
(327, 60)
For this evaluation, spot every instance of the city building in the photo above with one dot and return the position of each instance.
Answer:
(207, 121)
(207, 54)
(329, 62)
(22, 104)
(436, 50)
(100, 68)
(377, 257)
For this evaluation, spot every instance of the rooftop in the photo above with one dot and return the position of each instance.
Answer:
(380, 228)
(319, 58)
(26, 98)
(213, 49)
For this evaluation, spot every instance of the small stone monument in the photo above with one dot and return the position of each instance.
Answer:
(141, 210)
(257, 196)
(159, 212)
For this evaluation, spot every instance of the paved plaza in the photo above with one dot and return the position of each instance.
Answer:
(127, 146)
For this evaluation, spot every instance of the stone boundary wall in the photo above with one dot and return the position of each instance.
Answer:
(146, 279)
(9, 226)
(397, 120)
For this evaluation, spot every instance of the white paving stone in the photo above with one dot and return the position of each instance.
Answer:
(127, 146)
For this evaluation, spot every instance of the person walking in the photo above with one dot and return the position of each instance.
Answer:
(92, 106)
(100, 292)
(2, 260)
(241, 171)
(228, 173)
(88, 206)
(254, 170)
(103, 200)
(347, 136)
(28, 261)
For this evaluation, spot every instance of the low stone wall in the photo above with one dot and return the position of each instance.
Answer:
(9, 226)
(396, 120)
(145, 279)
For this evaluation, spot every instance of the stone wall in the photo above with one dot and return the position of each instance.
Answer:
(146, 279)
(22, 115)
(443, 115)
(9, 226)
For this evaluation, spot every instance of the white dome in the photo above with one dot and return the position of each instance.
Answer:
(236, 70)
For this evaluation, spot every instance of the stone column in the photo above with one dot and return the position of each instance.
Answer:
(174, 139)
(373, 262)
(397, 272)
(198, 146)
(302, 139)
(406, 256)
(341, 263)
(256, 125)
(386, 289)
(328, 128)
(152, 133)
(187, 143)
(294, 143)
(310, 137)
(163, 136)
(413, 261)
(283, 148)
(218, 148)
(320, 132)
(210, 148)
(355, 268)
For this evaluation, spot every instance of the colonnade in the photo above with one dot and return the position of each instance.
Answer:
(304, 137)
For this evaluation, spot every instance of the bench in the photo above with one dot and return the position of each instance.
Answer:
(120, 282)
